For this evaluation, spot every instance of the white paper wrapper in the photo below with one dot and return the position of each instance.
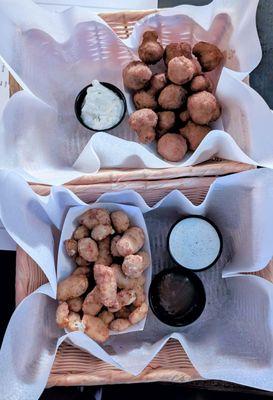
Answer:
(102, 6)
(54, 55)
(66, 265)
(235, 329)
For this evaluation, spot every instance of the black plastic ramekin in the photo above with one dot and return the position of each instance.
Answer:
(80, 99)
(182, 288)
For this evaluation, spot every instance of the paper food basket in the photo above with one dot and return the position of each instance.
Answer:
(75, 367)
(122, 23)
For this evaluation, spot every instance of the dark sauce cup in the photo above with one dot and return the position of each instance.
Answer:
(80, 99)
(177, 296)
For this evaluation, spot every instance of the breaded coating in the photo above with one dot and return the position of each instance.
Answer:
(136, 75)
(107, 284)
(203, 108)
(172, 97)
(120, 221)
(95, 328)
(150, 51)
(172, 147)
(194, 134)
(131, 242)
(173, 50)
(181, 70)
(209, 55)
(71, 247)
(138, 314)
(95, 216)
(88, 249)
(71, 287)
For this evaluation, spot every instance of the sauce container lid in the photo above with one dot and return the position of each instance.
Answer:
(80, 99)
(195, 246)
(177, 296)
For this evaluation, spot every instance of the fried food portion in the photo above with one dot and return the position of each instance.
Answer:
(131, 241)
(198, 68)
(71, 247)
(100, 232)
(194, 134)
(172, 147)
(92, 303)
(200, 83)
(172, 97)
(95, 328)
(74, 322)
(93, 296)
(81, 271)
(88, 249)
(124, 281)
(114, 250)
(184, 116)
(143, 122)
(120, 324)
(133, 265)
(166, 121)
(208, 55)
(163, 93)
(62, 315)
(150, 51)
(106, 316)
(173, 50)
(81, 261)
(75, 304)
(125, 297)
(120, 221)
(136, 75)
(95, 216)
(203, 108)
(157, 83)
(138, 314)
(81, 232)
(104, 257)
(107, 284)
(115, 295)
(144, 99)
(181, 70)
(71, 287)
(140, 296)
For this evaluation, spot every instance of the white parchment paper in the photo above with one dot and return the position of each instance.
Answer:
(54, 55)
(232, 340)
(102, 6)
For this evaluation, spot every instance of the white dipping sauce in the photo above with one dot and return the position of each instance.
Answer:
(194, 243)
(102, 108)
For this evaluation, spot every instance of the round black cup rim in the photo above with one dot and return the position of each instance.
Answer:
(81, 95)
(196, 282)
(218, 232)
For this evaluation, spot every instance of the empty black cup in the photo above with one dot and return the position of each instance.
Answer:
(177, 296)
(80, 99)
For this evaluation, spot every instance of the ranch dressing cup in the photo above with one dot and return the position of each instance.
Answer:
(100, 106)
(195, 243)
